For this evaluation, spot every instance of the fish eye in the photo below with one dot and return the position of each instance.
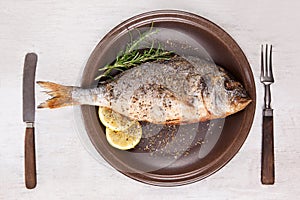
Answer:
(228, 85)
(232, 85)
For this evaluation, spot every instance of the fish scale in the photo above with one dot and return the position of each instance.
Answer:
(181, 90)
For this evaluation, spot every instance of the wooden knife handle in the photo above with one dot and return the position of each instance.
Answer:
(30, 165)
(267, 168)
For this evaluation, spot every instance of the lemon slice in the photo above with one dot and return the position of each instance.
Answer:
(114, 120)
(126, 139)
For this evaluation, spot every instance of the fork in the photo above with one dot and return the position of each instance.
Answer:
(266, 77)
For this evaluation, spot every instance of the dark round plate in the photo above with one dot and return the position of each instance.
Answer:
(174, 155)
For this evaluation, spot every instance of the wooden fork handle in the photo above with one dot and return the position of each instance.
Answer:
(267, 168)
(30, 165)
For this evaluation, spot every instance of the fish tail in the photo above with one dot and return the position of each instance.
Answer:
(61, 95)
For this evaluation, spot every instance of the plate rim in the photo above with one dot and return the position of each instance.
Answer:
(211, 27)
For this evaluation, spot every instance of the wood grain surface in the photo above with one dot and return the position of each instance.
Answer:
(29, 159)
(63, 34)
(267, 162)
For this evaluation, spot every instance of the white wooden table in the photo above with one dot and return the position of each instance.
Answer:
(64, 33)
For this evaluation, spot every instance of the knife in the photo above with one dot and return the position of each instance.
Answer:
(28, 118)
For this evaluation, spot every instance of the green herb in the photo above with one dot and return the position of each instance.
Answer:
(132, 56)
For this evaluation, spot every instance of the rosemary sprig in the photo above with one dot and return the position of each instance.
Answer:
(132, 56)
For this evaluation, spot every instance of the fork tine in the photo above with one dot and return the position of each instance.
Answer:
(266, 61)
(270, 64)
(262, 62)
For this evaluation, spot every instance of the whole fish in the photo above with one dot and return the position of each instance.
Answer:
(177, 91)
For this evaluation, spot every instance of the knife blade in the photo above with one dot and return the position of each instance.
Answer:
(29, 117)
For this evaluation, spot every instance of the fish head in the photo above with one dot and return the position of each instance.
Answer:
(237, 95)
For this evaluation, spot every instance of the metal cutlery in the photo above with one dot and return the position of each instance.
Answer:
(29, 117)
(266, 77)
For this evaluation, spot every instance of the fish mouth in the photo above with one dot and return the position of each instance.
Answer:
(241, 102)
(244, 100)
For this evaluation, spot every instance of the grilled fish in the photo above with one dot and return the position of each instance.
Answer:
(181, 90)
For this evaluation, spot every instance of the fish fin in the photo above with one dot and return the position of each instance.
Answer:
(187, 100)
(61, 95)
(160, 89)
